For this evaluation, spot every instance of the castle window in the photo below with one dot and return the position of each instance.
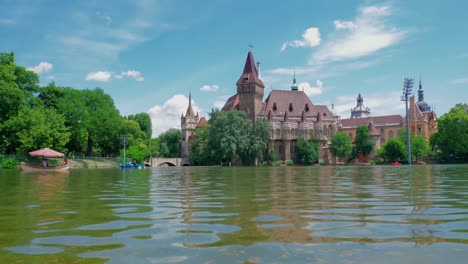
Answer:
(290, 107)
(419, 130)
(307, 107)
(274, 107)
(382, 135)
(390, 134)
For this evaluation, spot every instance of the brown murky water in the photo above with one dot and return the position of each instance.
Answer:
(375, 214)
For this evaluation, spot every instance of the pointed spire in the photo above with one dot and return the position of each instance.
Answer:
(294, 86)
(420, 91)
(250, 73)
(189, 112)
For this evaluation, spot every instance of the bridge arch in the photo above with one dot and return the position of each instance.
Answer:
(166, 164)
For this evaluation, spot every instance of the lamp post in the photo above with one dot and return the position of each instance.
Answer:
(407, 91)
(124, 140)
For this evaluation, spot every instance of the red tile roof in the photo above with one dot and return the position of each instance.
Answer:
(202, 122)
(231, 103)
(250, 74)
(377, 120)
(293, 102)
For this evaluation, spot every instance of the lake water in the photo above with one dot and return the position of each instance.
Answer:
(321, 214)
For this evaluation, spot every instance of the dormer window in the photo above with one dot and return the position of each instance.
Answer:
(307, 107)
(290, 107)
(274, 107)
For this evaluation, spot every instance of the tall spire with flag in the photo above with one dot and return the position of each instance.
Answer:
(190, 112)
(294, 86)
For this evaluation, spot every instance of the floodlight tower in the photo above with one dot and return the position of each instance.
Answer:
(407, 91)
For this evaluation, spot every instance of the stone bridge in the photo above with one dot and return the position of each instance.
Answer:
(166, 162)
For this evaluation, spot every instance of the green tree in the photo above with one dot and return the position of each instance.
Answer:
(93, 119)
(393, 150)
(452, 136)
(139, 152)
(341, 145)
(307, 151)
(419, 145)
(200, 154)
(169, 143)
(144, 120)
(234, 139)
(362, 143)
(33, 129)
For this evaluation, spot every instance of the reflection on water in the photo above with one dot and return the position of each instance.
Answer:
(318, 214)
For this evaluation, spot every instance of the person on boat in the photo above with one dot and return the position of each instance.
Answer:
(134, 163)
(64, 162)
(44, 163)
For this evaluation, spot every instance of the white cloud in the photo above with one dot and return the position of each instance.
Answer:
(459, 81)
(311, 90)
(42, 67)
(209, 88)
(99, 76)
(168, 115)
(310, 38)
(365, 35)
(344, 24)
(131, 74)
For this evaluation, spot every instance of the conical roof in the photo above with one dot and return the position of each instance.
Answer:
(250, 73)
(190, 112)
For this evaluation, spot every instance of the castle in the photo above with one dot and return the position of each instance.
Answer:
(293, 116)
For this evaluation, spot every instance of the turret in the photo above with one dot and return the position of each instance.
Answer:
(250, 89)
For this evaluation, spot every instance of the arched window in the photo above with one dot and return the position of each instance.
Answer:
(274, 107)
(306, 108)
(290, 107)
(390, 134)
(350, 136)
(382, 135)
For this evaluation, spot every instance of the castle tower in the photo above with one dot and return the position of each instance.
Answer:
(250, 89)
(360, 110)
(294, 86)
(422, 105)
(188, 124)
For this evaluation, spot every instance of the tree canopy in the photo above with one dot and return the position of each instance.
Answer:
(230, 138)
(307, 151)
(341, 145)
(452, 136)
(362, 143)
(70, 120)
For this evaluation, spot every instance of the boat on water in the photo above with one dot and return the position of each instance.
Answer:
(132, 166)
(30, 167)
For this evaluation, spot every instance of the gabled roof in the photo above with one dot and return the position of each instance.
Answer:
(250, 73)
(377, 121)
(293, 102)
(231, 103)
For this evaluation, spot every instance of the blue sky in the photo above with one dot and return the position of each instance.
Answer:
(148, 55)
